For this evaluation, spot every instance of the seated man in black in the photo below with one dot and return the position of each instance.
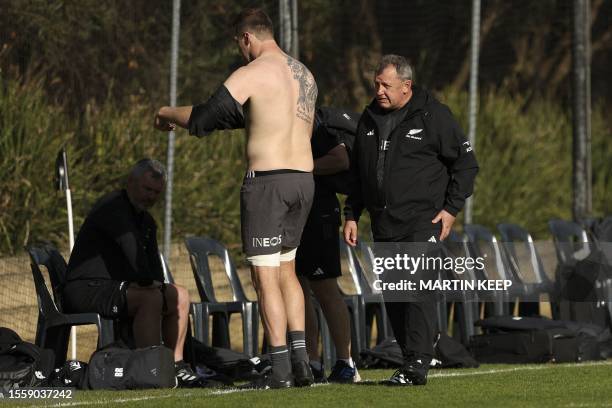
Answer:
(115, 268)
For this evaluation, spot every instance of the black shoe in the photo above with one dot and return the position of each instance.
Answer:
(343, 373)
(268, 382)
(185, 377)
(302, 374)
(414, 372)
(259, 367)
(318, 375)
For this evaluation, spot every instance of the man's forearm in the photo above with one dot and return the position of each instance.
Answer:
(178, 115)
(335, 161)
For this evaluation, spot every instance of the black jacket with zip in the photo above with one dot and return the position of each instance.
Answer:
(428, 166)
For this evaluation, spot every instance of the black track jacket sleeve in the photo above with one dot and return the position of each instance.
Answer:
(353, 206)
(221, 111)
(458, 156)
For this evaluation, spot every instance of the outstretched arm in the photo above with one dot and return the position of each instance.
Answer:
(167, 118)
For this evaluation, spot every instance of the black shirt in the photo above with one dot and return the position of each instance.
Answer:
(116, 242)
(332, 127)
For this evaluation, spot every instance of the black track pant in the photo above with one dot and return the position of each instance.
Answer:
(414, 323)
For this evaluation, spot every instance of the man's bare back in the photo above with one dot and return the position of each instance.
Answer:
(279, 95)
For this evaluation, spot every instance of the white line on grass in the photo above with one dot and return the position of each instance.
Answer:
(232, 391)
(507, 370)
(235, 390)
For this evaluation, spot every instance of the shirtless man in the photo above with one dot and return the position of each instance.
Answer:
(279, 94)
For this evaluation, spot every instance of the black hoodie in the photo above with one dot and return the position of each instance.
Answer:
(428, 165)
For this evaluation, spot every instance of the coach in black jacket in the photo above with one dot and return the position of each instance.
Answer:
(414, 169)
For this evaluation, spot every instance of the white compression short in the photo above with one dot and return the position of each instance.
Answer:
(274, 259)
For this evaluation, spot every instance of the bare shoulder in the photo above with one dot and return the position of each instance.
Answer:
(307, 87)
(239, 83)
(244, 82)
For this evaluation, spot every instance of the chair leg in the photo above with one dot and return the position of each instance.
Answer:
(442, 317)
(383, 325)
(255, 327)
(368, 313)
(357, 331)
(106, 332)
(329, 351)
(56, 339)
(247, 329)
(220, 330)
(200, 322)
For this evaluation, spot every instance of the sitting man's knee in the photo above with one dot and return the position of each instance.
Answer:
(183, 301)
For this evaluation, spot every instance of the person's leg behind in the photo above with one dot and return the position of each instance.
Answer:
(337, 316)
(311, 322)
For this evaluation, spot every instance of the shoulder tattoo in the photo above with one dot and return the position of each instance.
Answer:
(308, 90)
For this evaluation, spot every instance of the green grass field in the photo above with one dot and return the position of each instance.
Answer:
(561, 385)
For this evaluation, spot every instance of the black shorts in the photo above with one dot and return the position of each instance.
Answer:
(108, 298)
(274, 206)
(318, 256)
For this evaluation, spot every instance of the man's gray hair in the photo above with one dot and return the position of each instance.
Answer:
(149, 166)
(402, 67)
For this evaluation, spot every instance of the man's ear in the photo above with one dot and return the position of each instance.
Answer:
(407, 85)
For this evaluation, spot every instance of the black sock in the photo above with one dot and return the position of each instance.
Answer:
(297, 339)
(279, 357)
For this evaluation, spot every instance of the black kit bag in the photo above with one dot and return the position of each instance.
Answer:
(226, 362)
(386, 354)
(449, 353)
(515, 347)
(116, 367)
(521, 340)
(22, 364)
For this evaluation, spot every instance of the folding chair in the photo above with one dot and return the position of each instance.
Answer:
(328, 356)
(200, 248)
(571, 241)
(354, 309)
(572, 244)
(477, 235)
(513, 235)
(53, 326)
(367, 303)
(466, 306)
